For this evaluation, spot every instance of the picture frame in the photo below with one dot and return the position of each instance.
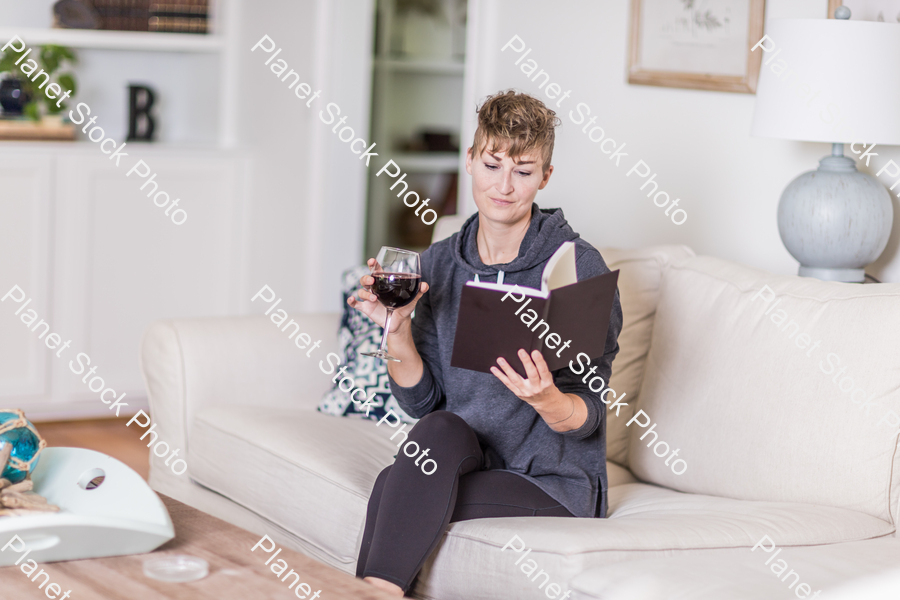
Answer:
(868, 10)
(696, 44)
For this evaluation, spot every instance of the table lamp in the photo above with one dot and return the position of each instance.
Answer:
(836, 81)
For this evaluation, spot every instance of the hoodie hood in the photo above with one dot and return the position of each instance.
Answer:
(547, 231)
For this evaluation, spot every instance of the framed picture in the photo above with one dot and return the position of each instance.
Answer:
(868, 10)
(697, 44)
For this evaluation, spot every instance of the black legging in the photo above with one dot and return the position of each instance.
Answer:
(409, 510)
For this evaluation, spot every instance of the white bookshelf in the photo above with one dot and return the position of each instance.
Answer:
(424, 66)
(194, 74)
(143, 41)
(411, 94)
(428, 162)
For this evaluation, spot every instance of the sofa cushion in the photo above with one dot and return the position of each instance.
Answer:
(304, 470)
(358, 333)
(645, 522)
(881, 586)
(742, 574)
(639, 280)
(754, 402)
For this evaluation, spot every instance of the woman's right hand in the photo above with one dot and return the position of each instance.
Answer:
(368, 303)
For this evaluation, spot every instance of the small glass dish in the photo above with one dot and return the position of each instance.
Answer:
(176, 568)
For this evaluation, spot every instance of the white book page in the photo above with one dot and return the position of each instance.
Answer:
(560, 269)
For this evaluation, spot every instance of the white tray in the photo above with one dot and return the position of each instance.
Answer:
(120, 516)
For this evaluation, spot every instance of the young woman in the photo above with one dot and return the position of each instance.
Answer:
(505, 445)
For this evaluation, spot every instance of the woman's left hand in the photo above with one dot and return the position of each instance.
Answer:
(562, 412)
(538, 388)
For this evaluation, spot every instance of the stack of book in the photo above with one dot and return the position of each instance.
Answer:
(180, 16)
(123, 15)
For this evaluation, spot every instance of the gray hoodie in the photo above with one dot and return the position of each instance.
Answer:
(569, 466)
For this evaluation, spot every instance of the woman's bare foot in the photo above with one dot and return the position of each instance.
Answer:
(385, 586)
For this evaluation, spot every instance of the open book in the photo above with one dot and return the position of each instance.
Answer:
(563, 318)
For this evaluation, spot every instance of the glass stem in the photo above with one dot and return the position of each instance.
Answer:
(387, 328)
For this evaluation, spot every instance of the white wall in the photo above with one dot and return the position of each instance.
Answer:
(34, 13)
(308, 195)
(697, 142)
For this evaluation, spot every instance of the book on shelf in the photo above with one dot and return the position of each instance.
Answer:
(183, 16)
(496, 320)
(178, 16)
(122, 15)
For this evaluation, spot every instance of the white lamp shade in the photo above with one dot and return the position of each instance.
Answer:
(829, 80)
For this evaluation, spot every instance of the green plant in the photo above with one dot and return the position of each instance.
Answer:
(50, 58)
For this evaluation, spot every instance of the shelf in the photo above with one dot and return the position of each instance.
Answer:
(117, 40)
(82, 147)
(426, 66)
(428, 162)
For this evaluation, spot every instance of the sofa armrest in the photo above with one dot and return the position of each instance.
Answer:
(189, 364)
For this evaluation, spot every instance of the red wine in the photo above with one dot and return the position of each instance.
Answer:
(395, 289)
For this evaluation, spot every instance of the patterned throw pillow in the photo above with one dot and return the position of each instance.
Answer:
(360, 334)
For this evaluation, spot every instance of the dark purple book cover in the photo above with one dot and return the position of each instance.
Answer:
(489, 327)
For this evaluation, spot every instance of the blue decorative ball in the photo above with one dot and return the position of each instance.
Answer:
(19, 432)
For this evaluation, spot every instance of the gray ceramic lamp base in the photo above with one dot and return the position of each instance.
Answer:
(832, 274)
(835, 220)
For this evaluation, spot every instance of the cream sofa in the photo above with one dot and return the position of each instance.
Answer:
(773, 447)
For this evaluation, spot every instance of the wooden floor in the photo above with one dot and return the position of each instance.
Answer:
(109, 436)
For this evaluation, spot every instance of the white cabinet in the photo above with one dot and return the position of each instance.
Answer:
(25, 233)
(118, 263)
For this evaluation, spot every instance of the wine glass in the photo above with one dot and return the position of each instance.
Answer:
(397, 275)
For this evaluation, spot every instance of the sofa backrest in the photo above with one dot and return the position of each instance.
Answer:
(640, 276)
(447, 226)
(772, 388)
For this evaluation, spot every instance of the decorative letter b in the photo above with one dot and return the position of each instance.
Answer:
(140, 123)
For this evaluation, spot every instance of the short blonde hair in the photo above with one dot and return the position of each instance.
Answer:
(517, 124)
